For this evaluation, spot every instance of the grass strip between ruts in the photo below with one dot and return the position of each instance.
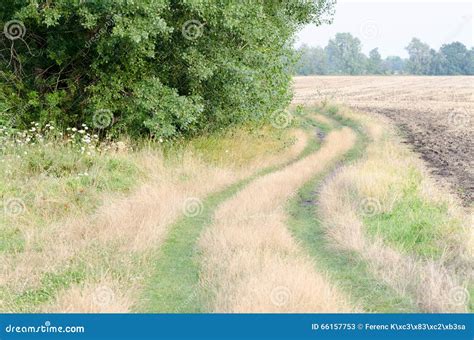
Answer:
(173, 286)
(346, 269)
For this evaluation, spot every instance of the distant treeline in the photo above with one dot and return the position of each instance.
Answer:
(343, 55)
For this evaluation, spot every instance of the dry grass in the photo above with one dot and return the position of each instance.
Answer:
(119, 236)
(251, 262)
(435, 113)
(374, 185)
(323, 119)
(103, 296)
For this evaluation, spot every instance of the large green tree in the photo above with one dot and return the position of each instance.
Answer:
(455, 58)
(160, 67)
(420, 58)
(374, 63)
(344, 54)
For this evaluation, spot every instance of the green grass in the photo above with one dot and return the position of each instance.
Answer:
(76, 271)
(414, 225)
(54, 181)
(11, 240)
(173, 285)
(346, 269)
(50, 284)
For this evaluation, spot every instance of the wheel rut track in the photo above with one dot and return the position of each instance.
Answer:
(173, 285)
(255, 265)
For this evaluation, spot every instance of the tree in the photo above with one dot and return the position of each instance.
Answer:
(344, 54)
(420, 58)
(455, 58)
(312, 60)
(437, 64)
(374, 63)
(394, 64)
(165, 68)
(471, 62)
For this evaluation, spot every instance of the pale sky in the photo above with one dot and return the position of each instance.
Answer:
(390, 25)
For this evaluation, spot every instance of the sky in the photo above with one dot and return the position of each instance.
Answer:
(390, 25)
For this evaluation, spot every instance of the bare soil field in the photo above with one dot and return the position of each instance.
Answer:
(435, 113)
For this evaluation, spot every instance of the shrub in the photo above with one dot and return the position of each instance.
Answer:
(152, 67)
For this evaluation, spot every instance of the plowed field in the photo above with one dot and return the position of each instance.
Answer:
(435, 113)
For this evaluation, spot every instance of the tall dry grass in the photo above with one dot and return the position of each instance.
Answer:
(436, 285)
(251, 263)
(122, 233)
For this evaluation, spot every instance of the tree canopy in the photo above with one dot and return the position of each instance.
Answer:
(164, 68)
(343, 55)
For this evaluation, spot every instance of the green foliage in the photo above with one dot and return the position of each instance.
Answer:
(420, 57)
(394, 65)
(452, 59)
(153, 67)
(343, 55)
(456, 59)
(312, 61)
(374, 64)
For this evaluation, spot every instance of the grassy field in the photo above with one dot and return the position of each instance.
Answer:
(331, 212)
(75, 221)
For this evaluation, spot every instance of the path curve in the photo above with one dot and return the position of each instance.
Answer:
(251, 261)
